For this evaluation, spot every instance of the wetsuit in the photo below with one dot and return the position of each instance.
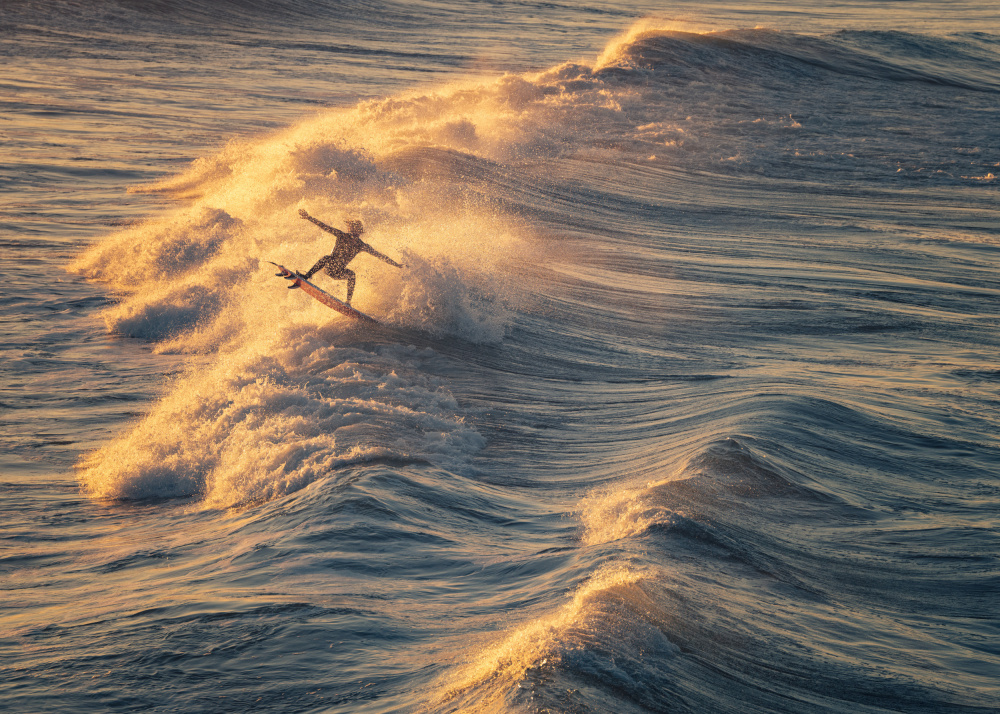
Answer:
(347, 247)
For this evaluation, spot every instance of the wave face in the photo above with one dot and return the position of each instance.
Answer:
(684, 401)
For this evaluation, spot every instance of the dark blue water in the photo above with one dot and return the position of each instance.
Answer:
(686, 399)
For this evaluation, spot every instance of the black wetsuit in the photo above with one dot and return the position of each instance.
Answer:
(347, 247)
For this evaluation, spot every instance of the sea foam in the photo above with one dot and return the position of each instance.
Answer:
(272, 404)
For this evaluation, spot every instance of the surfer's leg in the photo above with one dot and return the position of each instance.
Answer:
(339, 272)
(350, 284)
(319, 266)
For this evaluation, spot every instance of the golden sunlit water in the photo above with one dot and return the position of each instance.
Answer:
(686, 398)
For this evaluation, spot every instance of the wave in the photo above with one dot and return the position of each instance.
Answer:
(447, 182)
(278, 405)
(717, 587)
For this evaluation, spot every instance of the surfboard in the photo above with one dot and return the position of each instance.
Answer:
(322, 296)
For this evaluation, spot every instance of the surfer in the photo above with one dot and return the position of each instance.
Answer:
(348, 245)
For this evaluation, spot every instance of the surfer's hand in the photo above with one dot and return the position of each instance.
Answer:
(302, 213)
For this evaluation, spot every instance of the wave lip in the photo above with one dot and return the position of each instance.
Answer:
(734, 56)
(518, 667)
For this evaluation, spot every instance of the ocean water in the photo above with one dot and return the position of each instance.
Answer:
(687, 399)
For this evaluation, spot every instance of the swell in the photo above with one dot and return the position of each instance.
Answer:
(204, 19)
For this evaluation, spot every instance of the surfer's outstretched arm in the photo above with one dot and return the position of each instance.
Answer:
(328, 229)
(371, 251)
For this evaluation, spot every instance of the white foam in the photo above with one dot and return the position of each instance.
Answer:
(260, 424)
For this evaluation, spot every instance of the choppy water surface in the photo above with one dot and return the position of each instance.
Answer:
(685, 401)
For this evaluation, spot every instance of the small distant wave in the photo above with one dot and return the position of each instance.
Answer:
(719, 473)
(219, 15)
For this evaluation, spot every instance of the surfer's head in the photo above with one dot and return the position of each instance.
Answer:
(355, 227)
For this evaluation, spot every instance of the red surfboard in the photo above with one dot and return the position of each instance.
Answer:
(321, 296)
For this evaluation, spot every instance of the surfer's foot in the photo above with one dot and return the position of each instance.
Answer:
(292, 286)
